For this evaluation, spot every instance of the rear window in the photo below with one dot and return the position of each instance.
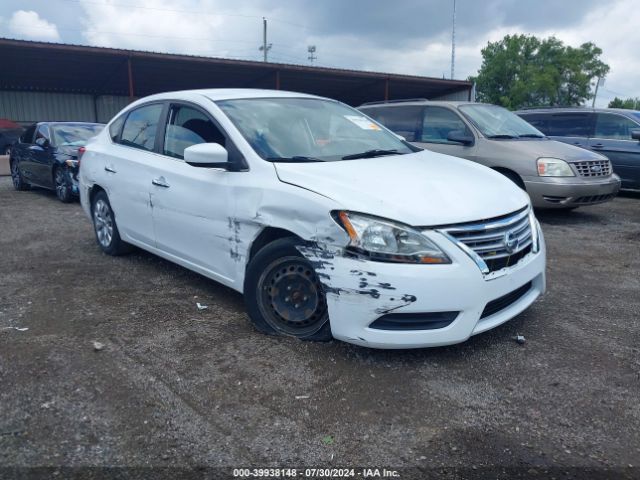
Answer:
(405, 121)
(27, 136)
(140, 127)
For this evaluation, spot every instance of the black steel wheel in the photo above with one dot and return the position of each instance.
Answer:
(284, 294)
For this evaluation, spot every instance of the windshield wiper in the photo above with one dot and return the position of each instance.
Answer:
(502, 135)
(531, 135)
(294, 159)
(369, 154)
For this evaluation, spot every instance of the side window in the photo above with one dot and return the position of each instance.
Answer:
(615, 127)
(188, 126)
(439, 122)
(540, 121)
(569, 125)
(404, 121)
(43, 132)
(140, 127)
(115, 127)
(27, 136)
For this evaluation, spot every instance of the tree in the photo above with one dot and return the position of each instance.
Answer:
(629, 103)
(525, 71)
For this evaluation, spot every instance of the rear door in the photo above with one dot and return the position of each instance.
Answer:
(612, 138)
(573, 128)
(129, 166)
(192, 206)
(42, 157)
(21, 154)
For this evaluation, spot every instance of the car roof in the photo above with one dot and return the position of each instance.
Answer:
(216, 94)
(431, 103)
(623, 111)
(53, 124)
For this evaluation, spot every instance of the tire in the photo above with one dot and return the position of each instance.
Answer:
(284, 296)
(105, 228)
(515, 178)
(62, 182)
(19, 183)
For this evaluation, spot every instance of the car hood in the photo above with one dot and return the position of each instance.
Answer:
(536, 148)
(420, 189)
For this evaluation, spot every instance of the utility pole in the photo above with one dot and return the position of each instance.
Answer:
(599, 83)
(264, 48)
(453, 41)
(311, 49)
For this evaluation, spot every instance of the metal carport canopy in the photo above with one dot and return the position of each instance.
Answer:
(52, 67)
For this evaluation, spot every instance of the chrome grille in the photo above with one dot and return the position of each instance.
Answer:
(593, 168)
(500, 242)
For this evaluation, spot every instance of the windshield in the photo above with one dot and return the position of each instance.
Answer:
(75, 135)
(498, 122)
(310, 129)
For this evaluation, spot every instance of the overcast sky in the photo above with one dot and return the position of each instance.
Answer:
(403, 36)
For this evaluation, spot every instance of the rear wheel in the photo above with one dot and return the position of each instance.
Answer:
(284, 295)
(18, 180)
(104, 224)
(64, 187)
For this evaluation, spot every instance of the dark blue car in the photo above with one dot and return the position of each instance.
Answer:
(46, 155)
(614, 133)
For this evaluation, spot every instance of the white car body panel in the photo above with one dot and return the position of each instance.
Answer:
(208, 219)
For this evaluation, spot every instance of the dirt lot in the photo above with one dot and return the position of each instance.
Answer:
(179, 387)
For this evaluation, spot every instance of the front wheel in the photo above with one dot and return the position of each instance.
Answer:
(104, 224)
(64, 187)
(284, 295)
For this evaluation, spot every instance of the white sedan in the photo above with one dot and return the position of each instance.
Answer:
(331, 225)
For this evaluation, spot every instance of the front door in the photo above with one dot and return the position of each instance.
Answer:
(192, 205)
(612, 139)
(437, 124)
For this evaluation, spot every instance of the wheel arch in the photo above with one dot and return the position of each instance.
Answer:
(265, 237)
(512, 175)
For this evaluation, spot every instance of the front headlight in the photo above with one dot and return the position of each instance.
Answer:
(554, 167)
(386, 241)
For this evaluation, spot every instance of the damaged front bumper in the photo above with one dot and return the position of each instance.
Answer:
(391, 305)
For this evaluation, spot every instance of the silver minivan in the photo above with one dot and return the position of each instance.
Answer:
(554, 174)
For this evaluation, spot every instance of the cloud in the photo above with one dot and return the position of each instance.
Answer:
(29, 25)
(406, 36)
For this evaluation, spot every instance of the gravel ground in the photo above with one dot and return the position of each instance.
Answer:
(175, 387)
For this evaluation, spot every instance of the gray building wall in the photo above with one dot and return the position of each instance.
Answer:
(30, 107)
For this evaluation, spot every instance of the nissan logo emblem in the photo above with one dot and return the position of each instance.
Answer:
(511, 242)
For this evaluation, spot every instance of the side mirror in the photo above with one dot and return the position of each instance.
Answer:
(207, 155)
(400, 137)
(635, 134)
(42, 142)
(460, 136)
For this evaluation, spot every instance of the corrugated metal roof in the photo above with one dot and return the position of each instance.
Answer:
(58, 67)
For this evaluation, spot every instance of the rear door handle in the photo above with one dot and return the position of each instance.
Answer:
(160, 182)
(109, 169)
(597, 146)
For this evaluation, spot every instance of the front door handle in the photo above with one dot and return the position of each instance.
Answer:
(597, 146)
(109, 169)
(160, 182)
